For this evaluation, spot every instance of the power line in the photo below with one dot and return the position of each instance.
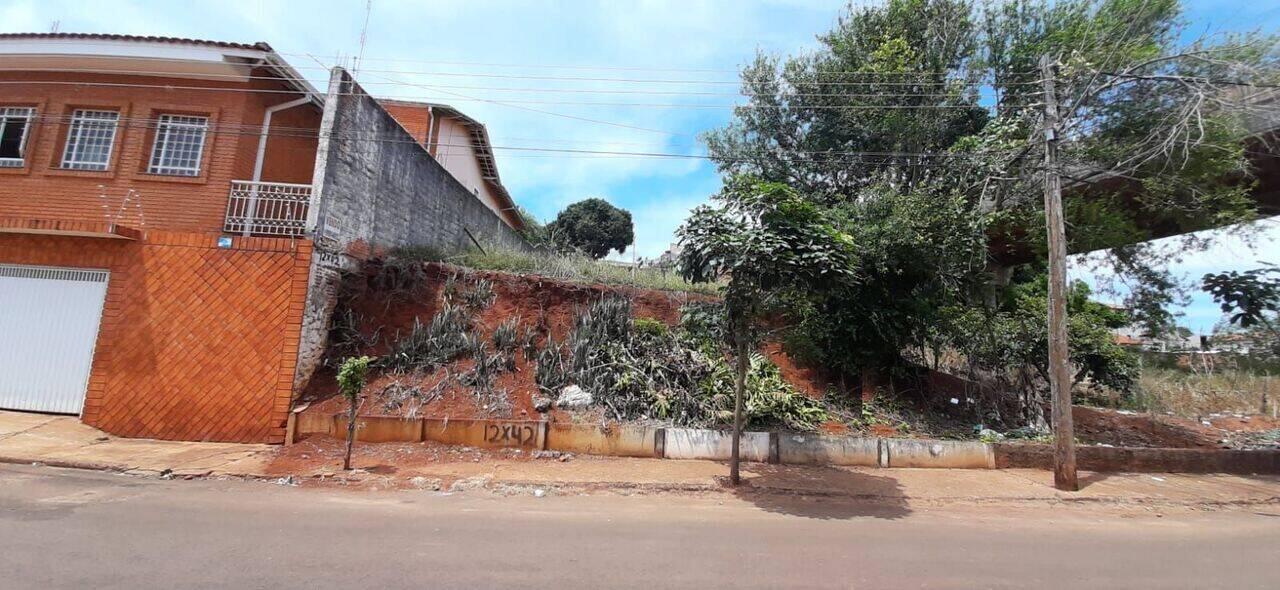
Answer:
(515, 101)
(147, 123)
(240, 77)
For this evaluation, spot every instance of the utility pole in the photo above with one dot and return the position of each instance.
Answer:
(1064, 449)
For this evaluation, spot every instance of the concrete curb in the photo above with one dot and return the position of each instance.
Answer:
(86, 465)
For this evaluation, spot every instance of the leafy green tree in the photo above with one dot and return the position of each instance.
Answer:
(895, 97)
(766, 239)
(1252, 298)
(594, 227)
(352, 376)
(915, 129)
(1009, 344)
(534, 232)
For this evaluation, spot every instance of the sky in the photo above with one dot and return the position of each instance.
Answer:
(500, 62)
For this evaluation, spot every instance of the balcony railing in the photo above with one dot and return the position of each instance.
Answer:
(267, 208)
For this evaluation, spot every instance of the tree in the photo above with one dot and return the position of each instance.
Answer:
(1251, 297)
(534, 232)
(594, 227)
(352, 375)
(767, 240)
(886, 129)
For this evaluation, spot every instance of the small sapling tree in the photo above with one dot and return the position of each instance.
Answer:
(352, 376)
(765, 239)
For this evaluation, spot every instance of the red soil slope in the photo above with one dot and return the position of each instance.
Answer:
(546, 304)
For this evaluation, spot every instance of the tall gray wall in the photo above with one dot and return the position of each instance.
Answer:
(376, 189)
(378, 185)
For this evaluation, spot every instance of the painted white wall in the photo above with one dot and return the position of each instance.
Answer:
(458, 155)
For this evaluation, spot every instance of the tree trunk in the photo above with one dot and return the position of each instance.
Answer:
(739, 385)
(351, 435)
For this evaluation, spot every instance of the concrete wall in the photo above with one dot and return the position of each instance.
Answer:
(614, 440)
(813, 449)
(1140, 460)
(376, 184)
(528, 434)
(785, 448)
(690, 443)
(376, 189)
(948, 454)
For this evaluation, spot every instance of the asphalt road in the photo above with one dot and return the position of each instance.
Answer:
(75, 529)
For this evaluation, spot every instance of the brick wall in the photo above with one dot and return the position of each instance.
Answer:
(41, 190)
(196, 342)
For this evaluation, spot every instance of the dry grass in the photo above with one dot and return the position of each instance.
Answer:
(1200, 394)
(578, 268)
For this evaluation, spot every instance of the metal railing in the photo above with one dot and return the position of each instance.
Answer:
(267, 208)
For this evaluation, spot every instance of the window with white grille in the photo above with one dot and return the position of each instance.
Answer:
(14, 124)
(90, 139)
(179, 145)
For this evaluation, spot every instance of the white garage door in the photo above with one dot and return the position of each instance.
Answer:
(48, 326)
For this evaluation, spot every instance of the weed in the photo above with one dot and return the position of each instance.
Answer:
(650, 328)
(576, 267)
(550, 372)
(505, 335)
(446, 338)
(529, 343)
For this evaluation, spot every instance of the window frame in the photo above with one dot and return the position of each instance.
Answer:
(7, 114)
(75, 137)
(162, 141)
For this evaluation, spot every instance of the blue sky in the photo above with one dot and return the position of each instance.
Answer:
(416, 50)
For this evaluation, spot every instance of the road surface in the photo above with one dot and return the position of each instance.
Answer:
(77, 529)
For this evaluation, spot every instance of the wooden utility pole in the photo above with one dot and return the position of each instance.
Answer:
(1064, 451)
(739, 387)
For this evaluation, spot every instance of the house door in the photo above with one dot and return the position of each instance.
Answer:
(48, 327)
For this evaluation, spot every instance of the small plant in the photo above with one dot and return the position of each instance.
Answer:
(505, 336)
(446, 338)
(650, 328)
(345, 336)
(550, 373)
(352, 376)
(481, 377)
(529, 343)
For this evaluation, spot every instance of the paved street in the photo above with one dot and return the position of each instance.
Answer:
(76, 529)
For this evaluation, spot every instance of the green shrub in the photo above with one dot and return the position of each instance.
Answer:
(650, 328)
(352, 376)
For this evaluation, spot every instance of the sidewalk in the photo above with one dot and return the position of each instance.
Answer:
(64, 441)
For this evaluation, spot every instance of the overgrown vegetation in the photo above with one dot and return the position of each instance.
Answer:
(578, 268)
(1197, 394)
(638, 369)
(938, 198)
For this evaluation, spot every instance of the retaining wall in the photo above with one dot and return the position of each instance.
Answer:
(617, 441)
(812, 449)
(773, 447)
(690, 443)
(1142, 460)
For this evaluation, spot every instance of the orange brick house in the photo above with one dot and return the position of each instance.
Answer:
(161, 202)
